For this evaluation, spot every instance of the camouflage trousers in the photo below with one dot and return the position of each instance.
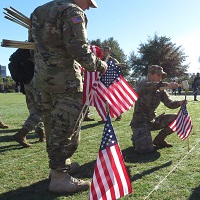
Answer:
(142, 139)
(34, 105)
(61, 112)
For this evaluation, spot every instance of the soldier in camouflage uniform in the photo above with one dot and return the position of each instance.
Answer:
(34, 120)
(144, 117)
(61, 48)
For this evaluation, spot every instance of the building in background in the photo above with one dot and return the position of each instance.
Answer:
(3, 71)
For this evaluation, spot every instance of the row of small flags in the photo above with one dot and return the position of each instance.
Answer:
(110, 179)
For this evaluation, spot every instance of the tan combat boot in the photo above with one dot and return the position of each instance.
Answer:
(74, 168)
(2, 125)
(20, 137)
(41, 134)
(160, 140)
(62, 182)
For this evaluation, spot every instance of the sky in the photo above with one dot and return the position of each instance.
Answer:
(130, 22)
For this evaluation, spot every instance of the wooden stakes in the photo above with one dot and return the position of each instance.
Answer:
(18, 44)
(17, 17)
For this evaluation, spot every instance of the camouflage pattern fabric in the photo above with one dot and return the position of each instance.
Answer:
(60, 116)
(59, 33)
(34, 105)
(144, 117)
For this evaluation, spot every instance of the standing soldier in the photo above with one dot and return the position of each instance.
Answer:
(61, 48)
(34, 120)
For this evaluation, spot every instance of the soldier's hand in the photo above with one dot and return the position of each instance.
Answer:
(183, 102)
(101, 66)
(105, 69)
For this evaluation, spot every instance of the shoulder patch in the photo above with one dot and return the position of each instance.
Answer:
(77, 19)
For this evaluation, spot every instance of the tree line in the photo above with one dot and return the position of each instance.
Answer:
(156, 51)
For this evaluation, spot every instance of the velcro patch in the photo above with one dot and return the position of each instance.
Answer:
(77, 19)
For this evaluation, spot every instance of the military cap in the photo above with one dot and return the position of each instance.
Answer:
(93, 4)
(106, 48)
(155, 69)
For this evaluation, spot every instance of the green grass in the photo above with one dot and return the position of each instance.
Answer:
(24, 172)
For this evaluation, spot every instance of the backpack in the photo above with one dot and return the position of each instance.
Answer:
(21, 67)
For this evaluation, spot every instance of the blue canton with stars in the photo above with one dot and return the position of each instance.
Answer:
(108, 138)
(112, 73)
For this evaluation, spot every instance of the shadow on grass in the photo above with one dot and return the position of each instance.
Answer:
(87, 170)
(195, 194)
(149, 171)
(131, 156)
(4, 131)
(9, 138)
(83, 127)
(35, 191)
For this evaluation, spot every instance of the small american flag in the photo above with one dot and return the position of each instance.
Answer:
(91, 77)
(182, 125)
(110, 179)
(115, 90)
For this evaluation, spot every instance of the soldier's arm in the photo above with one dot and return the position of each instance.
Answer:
(169, 102)
(75, 39)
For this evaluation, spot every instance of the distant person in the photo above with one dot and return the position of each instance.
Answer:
(196, 85)
(179, 88)
(174, 90)
(144, 117)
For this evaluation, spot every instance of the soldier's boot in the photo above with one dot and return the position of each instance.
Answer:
(160, 140)
(74, 168)
(62, 182)
(20, 137)
(2, 125)
(41, 134)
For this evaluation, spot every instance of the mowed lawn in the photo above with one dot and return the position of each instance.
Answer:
(168, 174)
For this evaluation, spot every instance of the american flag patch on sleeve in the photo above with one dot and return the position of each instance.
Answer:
(77, 19)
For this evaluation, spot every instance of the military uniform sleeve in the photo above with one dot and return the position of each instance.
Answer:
(75, 40)
(169, 102)
(30, 39)
(146, 86)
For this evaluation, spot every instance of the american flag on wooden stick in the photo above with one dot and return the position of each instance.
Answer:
(114, 89)
(182, 125)
(110, 179)
(91, 77)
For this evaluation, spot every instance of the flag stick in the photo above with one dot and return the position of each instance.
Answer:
(86, 104)
(188, 142)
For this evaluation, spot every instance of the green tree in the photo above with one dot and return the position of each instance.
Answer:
(158, 51)
(116, 52)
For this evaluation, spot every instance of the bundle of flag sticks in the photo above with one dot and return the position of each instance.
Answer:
(18, 44)
(17, 17)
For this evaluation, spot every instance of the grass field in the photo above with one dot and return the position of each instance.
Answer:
(169, 174)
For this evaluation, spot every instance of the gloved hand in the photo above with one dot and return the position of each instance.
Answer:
(101, 66)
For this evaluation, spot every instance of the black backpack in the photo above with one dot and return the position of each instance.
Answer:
(21, 67)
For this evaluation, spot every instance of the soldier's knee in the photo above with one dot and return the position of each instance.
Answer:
(142, 140)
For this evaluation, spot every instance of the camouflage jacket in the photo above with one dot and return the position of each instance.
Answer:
(59, 33)
(149, 99)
